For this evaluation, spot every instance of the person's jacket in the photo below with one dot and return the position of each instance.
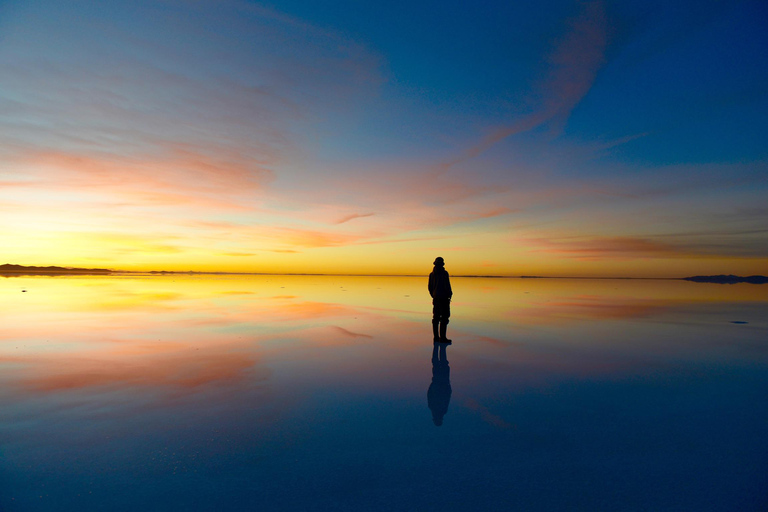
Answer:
(440, 284)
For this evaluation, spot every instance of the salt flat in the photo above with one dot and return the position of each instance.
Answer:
(311, 393)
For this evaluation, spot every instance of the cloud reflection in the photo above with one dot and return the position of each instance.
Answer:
(183, 335)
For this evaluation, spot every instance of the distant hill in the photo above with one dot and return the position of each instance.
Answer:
(18, 269)
(729, 279)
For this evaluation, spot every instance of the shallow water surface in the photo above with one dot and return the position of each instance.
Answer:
(327, 393)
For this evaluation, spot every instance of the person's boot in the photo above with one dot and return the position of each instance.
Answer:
(435, 334)
(443, 328)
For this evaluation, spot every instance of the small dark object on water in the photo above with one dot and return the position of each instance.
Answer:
(23, 291)
(739, 322)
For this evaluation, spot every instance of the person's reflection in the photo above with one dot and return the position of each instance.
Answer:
(439, 392)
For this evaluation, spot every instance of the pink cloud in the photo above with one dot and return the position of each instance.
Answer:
(185, 370)
(352, 216)
(561, 310)
(346, 332)
(495, 212)
(176, 176)
(313, 238)
(607, 247)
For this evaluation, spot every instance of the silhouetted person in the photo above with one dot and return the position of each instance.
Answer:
(439, 392)
(440, 290)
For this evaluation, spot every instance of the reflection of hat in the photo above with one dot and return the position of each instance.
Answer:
(439, 261)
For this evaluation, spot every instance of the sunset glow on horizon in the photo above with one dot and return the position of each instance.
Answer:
(578, 139)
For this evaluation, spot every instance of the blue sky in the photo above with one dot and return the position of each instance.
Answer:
(511, 137)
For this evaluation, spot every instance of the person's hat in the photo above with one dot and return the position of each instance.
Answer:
(439, 261)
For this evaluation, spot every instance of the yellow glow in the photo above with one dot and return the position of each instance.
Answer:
(125, 228)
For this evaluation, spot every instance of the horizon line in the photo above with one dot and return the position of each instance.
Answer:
(76, 271)
(36, 269)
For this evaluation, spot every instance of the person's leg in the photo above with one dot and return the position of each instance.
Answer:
(443, 328)
(445, 315)
(435, 320)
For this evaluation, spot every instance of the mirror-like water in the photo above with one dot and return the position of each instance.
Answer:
(325, 393)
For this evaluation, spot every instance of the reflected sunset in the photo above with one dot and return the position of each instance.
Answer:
(383, 256)
(185, 332)
(174, 380)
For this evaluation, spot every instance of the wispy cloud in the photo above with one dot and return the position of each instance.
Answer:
(573, 64)
(119, 101)
(351, 334)
(314, 238)
(176, 371)
(583, 308)
(595, 248)
(353, 216)
(603, 247)
(174, 177)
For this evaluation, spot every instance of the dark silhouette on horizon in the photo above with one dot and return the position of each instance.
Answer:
(439, 392)
(728, 279)
(11, 268)
(440, 290)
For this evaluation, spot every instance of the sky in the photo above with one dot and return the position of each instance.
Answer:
(557, 138)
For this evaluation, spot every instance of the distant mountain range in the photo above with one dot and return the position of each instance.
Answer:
(9, 268)
(728, 279)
